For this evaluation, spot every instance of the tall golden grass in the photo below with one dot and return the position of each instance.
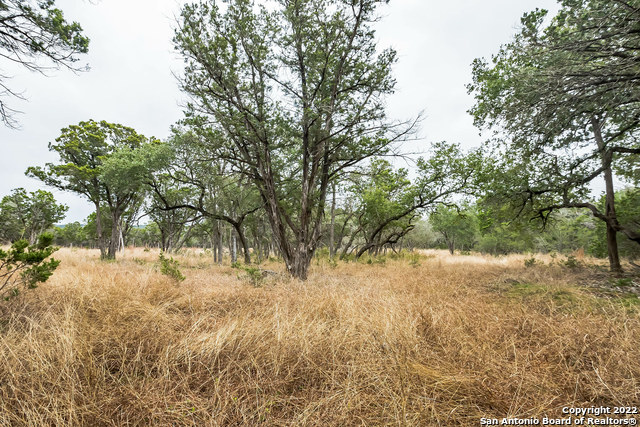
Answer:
(440, 343)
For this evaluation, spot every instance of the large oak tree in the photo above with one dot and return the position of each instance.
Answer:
(563, 101)
(295, 96)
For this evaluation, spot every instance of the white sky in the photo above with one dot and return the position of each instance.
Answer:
(132, 60)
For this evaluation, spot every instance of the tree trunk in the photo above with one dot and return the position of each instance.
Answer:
(332, 249)
(243, 242)
(298, 266)
(214, 248)
(219, 243)
(233, 247)
(103, 253)
(610, 211)
(120, 240)
(451, 244)
(612, 234)
(346, 249)
(114, 242)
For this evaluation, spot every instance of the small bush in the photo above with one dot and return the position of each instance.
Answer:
(530, 262)
(24, 266)
(253, 274)
(572, 262)
(169, 267)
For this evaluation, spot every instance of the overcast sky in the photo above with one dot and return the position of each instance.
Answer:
(132, 63)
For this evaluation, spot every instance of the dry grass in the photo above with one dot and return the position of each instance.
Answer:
(441, 343)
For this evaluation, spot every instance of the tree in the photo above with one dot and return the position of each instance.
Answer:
(388, 204)
(628, 212)
(147, 235)
(106, 163)
(196, 179)
(25, 265)
(125, 175)
(27, 215)
(175, 225)
(562, 101)
(458, 227)
(293, 98)
(72, 234)
(384, 197)
(31, 30)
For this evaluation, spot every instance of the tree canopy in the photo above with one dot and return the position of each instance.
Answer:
(106, 163)
(293, 97)
(32, 31)
(27, 215)
(562, 102)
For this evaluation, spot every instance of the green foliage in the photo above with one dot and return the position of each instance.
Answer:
(559, 100)
(567, 231)
(504, 237)
(530, 262)
(572, 262)
(27, 215)
(170, 267)
(147, 235)
(72, 234)
(128, 168)
(253, 274)
(458, 227)
(422, 236)
(31, 30)
(371, 260)
(333, 262)
(291, 97)
(107, 163)
(387, 204)
(24, 265)
(628, 213)
(384, 199)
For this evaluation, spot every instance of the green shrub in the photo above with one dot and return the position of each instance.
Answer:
(24, 266)
(253, 274)
(169, 267)
(530, 262)
(572, 262)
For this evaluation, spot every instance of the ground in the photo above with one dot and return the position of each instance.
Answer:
(423, 339)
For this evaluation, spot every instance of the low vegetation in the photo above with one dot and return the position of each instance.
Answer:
(423, 339)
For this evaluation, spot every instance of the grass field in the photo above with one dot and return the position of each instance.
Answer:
(434, 340)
